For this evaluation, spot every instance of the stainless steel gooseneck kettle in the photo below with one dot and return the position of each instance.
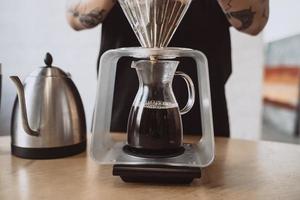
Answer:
(48, 119)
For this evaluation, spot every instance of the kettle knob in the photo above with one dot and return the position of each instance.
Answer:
(48, 59)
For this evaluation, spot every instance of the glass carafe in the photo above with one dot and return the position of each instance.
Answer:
(154, 123)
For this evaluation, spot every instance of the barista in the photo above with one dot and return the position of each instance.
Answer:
(204, 27)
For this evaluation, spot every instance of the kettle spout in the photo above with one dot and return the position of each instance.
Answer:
(21, 97)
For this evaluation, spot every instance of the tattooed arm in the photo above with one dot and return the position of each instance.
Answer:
(87, 13)
(248, 16)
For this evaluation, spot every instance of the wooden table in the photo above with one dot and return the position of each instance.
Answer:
(242, 170)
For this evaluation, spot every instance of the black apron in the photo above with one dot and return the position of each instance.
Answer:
(205, 28)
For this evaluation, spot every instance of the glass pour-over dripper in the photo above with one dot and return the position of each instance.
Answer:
(154, 21)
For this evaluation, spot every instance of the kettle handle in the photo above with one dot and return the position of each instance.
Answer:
(21, 97)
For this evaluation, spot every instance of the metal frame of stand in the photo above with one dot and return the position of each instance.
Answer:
(105, 150)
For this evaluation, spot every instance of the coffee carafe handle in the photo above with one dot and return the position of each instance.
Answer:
(21, 97)
(191, 92)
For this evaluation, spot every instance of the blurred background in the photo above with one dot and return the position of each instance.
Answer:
(262, 92)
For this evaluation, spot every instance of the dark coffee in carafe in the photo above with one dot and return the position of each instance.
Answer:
(159, 128)
(154, 123)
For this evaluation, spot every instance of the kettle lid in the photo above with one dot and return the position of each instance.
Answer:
(49, 70)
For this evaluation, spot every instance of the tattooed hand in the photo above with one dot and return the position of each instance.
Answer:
(91, 19)
(89, 13)
(249, 16)
(245, 16)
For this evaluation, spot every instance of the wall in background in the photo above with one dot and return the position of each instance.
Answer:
(31, 28)
(283, 21)
(244, 88)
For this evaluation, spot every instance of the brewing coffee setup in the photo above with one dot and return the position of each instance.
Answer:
(154, 150)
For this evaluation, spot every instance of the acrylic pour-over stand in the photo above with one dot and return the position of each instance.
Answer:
(180, 169)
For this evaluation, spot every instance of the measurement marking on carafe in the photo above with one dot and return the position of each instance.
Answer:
(152, 104)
